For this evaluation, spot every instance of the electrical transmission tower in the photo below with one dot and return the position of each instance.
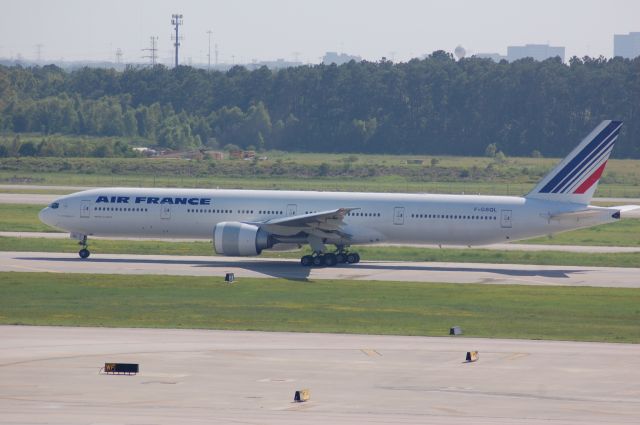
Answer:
(209, 54)
(176, 21)
(153, 51)
(118, 56)
(39, 52)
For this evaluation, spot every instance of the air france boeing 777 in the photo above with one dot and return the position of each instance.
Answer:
(246, 222)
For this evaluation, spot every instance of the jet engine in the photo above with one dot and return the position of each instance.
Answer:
(233, 238)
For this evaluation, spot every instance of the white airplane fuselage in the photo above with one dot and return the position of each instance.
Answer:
(376, 218)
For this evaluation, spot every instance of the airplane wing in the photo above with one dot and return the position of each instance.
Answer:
(324, 224)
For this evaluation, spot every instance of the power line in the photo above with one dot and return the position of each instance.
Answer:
(176, 21)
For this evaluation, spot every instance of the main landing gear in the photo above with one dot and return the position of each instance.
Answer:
(84, 252)
(330, 259)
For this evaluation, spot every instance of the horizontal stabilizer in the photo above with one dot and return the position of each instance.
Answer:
(625, 209)
(575, 215)
(593, 212)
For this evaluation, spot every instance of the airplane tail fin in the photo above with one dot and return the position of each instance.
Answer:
(575, 179)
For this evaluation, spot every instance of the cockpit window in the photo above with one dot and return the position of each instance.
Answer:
(54, 205)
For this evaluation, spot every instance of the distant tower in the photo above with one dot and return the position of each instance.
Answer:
(39, 52)
(460, 52)
(209, 54)
(216, 53)
(118, 56)
(153, 50)
(176, 21)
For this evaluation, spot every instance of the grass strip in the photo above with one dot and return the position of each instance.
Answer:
(400, 308)
(22, 218)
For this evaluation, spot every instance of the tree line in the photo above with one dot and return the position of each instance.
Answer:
(435, 106)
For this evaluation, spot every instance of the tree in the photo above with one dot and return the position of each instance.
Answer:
(434, 105)
(28, 149)
(491, 150)
(14, 147)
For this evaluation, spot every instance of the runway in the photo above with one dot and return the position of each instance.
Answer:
(51, 375)
(291, 269)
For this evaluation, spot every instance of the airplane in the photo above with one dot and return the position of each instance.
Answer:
(246, 222)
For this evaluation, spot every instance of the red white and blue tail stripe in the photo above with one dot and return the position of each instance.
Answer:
(575, 179)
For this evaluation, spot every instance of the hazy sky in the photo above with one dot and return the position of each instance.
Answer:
(271, 29)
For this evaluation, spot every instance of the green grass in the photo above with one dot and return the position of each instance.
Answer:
(389, 183)
(283, 170)
(22, 218)
(621, 233)
(402, 308)
(373, 253)
(30, 191)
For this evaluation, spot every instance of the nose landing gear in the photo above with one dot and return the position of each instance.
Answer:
(84, 252)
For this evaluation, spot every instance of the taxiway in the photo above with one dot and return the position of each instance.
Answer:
(52, 375)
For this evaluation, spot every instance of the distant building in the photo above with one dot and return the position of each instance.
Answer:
(626, 45)
(496, 57)
(240, 154)
(538, 52)
(215, 155)
(145, 151)
(339, 58)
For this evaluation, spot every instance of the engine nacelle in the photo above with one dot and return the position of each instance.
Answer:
(240, 239)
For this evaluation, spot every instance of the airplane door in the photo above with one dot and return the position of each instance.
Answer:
(165, 211)
(292, 210)
(398, 215)
(85, 209)
(505, 218)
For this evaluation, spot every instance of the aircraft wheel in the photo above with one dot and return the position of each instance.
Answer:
(341, 258)
(318, 260)
(84, 253)
(357, 257)
(352, 258)
(330, 260)
(306, 261)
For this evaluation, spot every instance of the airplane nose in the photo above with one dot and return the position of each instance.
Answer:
(45, 216)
